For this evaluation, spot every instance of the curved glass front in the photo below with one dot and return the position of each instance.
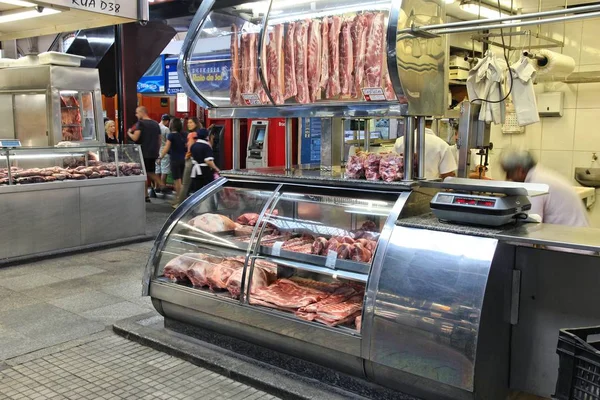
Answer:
(311, 52)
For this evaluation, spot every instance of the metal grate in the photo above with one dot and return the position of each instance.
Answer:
(586, 382)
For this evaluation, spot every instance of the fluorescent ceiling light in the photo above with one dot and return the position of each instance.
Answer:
(483, 11)
(19, 3)
(449, 1)
(17, 16)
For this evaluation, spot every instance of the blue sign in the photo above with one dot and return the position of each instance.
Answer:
(210, 76)
(153, 80)
(172, 78)
(310, 142)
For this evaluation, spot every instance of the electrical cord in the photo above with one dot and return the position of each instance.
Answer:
(507, 66)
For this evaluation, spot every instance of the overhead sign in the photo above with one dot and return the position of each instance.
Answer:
(210, 76)
(153, 80)
(119, 8)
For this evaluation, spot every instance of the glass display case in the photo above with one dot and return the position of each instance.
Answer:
(285, 248)
(27, 165)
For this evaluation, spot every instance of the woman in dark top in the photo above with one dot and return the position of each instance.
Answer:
(193, 125)
(110, 129)
(176, 148)
(203, 161)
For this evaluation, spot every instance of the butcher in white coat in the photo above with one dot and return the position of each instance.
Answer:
(561, 206)
(439, 160)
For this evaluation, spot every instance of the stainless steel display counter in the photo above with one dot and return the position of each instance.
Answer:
(77, 212)
(449, 312)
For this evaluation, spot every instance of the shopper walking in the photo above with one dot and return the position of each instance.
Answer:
(193, 125)
(146, 133)
(163, 165)
(203, 160)
(176, 149)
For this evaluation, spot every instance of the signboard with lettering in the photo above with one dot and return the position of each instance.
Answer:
(211, 76)
(172, 78)
(153, 80)
(119, 8)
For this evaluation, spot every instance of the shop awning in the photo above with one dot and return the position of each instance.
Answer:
(29, 18)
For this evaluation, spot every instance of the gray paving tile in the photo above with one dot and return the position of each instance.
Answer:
(61, 289)
(72, 272)
(15, 300)
(85, 301)
(131, 289)
(111, 313)
(29, 281)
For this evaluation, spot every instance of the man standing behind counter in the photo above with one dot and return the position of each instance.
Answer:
(439, 160)
(561, 206)
(146, 133)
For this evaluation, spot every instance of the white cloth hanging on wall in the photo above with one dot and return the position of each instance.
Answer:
(523, 95)
(485, 83)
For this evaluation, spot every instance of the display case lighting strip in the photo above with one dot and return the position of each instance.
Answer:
(21, 15)
(19, 3)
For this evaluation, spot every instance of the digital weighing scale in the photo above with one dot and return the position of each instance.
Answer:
(488, 203)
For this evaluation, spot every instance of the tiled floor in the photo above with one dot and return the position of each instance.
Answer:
(112, 367)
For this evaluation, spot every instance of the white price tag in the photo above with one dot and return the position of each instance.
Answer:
(373, 94)
(331, 259)
(251, 99)
(277, 249)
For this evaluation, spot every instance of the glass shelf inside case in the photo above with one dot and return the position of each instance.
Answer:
(207, 248)
(323, 247)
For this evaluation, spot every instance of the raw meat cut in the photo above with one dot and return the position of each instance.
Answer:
(218, 276)
(358, 322)
(359, 37)
(314, 60)
(333, 83)
(360, 253)
(234, 283)
(341, 294)
(243, 230)
(212, 223)
(332, 245)
(275, 64)
(249, 46)
(375, 50)
(198, 272)
(289, 62)
(337, 321)
(247, 219)
(367, 244)
(311, 283)
(346, 58)
(334, 314)
(355, 168)
(319, 246)
(234, 74)
(301, 44)
(369, 226)
(324, 53)
(372, 166)
(344, 251)
(344, 239)
(391, 167)
(70, 119)
(287, 294)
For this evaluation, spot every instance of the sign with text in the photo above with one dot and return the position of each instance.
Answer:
(119, 8)
(211, 76)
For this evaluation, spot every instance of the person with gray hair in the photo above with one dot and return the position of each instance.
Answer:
(561, 206)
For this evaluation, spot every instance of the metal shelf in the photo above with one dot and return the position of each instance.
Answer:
(335, 273)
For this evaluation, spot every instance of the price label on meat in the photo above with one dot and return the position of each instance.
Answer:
(251, 99)
(373, 94)
(277, 249)
(331, 259)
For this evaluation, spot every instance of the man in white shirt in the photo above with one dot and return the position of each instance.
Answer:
(561, 206)
(163, 165)
(439, 161)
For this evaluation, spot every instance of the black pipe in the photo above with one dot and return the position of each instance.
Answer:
(120, 85)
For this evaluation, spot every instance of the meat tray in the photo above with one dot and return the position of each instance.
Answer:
(231, 240)
(335, 264)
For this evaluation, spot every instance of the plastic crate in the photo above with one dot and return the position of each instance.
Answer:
(579, 367)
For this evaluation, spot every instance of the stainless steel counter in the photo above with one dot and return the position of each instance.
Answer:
(49, 217)
(566, 237)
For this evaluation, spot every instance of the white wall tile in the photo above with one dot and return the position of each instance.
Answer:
(570, 92)
(587, 130)
(531, 139)
(588, 95)
(494, 169)
(500, 140)
(590, 51)
(559, 161)
(583, 159)
(558, 132)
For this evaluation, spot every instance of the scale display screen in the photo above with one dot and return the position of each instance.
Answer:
(260, 135)
(470, 201)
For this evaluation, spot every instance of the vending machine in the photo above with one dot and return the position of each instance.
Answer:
(310, 141)
(266, 143)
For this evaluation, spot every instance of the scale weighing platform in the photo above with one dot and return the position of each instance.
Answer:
(487, 203)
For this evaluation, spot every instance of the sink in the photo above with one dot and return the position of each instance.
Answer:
(589, 177)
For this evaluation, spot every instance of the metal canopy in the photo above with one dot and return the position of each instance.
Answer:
(37, 18)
